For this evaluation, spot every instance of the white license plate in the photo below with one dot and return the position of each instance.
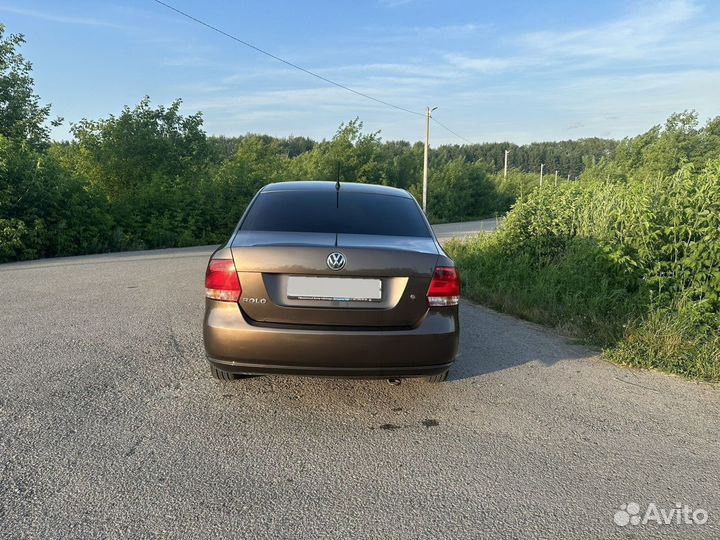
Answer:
(330, 288)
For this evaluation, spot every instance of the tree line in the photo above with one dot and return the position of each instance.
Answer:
(151, 177)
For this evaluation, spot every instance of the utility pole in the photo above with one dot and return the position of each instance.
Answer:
(428, 110)
(555, 178)
(568, 177)
(505, 167)
(542, 166)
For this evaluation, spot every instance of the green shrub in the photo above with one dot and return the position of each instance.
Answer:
(13, 240)
(633, 266)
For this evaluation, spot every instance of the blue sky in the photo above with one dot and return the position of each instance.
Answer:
(512, 70)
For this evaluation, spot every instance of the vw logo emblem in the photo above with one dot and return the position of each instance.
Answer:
(336, 261)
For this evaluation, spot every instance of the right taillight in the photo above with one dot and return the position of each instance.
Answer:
(221, 281)
(445, 287)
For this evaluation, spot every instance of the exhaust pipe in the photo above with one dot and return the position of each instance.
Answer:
(394, 382)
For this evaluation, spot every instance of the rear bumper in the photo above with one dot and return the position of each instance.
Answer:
(235, 344)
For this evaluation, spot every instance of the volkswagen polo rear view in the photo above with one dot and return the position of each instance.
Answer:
(332, 279)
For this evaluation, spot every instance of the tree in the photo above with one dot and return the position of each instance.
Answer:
(351, 156)
(22, 117)
(121, 154)
(661, 151)
(44, 210)
(256, 162)
(459, 191)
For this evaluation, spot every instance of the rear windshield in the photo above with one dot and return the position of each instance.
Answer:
(328, 212)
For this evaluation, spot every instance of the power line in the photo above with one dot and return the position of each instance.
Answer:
(450, 130)
(266, 53)
(304, 70)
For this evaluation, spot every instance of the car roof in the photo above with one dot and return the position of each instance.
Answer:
(318, 185)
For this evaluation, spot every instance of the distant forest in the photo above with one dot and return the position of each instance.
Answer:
(568, 157)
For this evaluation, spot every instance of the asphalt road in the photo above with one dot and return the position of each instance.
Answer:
(111, 427)
(445, 231)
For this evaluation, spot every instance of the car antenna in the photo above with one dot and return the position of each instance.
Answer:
(337, 192)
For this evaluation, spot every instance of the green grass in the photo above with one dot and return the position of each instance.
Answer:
(669, 342)
(574, 295)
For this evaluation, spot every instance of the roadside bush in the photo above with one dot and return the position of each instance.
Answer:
(45, 211)
(14, 240)
(580, 290)
(633, 266)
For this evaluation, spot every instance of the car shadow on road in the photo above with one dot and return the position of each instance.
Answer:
(491, 341)
(491, 345)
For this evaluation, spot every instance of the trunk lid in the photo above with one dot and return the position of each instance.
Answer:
(268, 264)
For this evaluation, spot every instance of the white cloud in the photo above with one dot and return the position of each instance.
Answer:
(306, 99)
(393, 3)
(483, 65)
(61, 18)
(399, 34)
(636, 36)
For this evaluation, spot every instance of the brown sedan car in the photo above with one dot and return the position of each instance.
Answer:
(339, 279)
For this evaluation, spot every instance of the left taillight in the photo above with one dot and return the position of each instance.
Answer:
(221, 281)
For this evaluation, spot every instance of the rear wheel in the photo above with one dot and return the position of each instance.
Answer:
(221, 375)
(440, 377)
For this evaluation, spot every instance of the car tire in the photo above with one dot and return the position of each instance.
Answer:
(221, 375)
(440, 377)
